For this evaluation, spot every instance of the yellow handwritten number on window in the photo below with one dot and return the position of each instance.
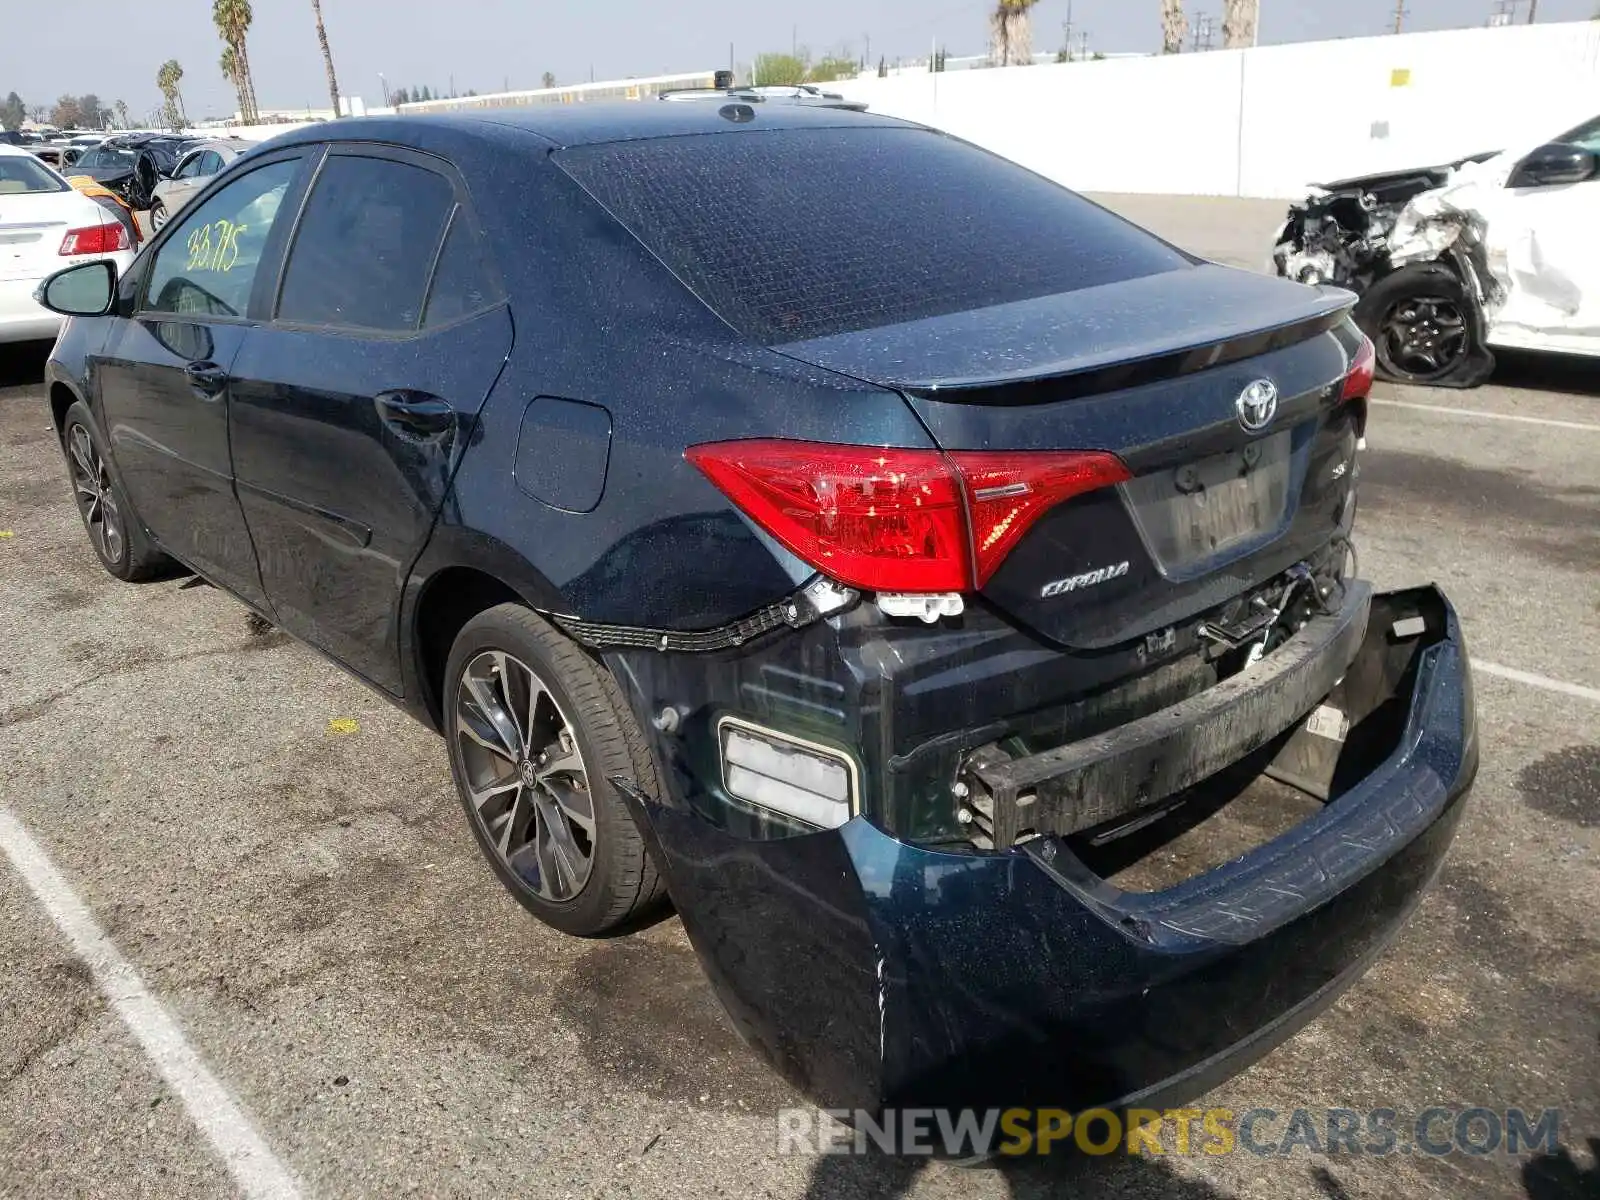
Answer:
(214, 247)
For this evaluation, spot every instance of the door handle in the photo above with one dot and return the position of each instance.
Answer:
(416, 414)
(206, 378)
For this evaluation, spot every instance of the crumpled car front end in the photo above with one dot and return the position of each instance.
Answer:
(1415, 245)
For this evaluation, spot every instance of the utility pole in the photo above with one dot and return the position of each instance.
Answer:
(1400, 12)
(1066, 31)
(1533, 11)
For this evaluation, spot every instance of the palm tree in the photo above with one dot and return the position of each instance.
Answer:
(1239, 21)
(230, 71)
(232, 19)
(122, 113)
(1011, 33)
(1174, 26)
(167, 79)
(327, 56)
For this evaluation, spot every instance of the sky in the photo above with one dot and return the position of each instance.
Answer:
(489, 44)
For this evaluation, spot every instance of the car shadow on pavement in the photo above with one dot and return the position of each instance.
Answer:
(858, 1177)
(22, 363)
(1569, 373)
(1559, 1176)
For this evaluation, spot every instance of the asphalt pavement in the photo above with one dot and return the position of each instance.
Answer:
(300, 895)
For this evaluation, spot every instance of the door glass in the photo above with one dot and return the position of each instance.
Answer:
(1586, 135)
(190, 168)
(365, 245)
(462, 283)
(208, 265)
(210, 162)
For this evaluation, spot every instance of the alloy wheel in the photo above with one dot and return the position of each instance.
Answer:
(96, 500)
(525, 775)
(158, 216)
(1424, 337)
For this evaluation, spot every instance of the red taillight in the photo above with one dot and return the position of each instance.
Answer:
(1008, 492)
(898, 520)
(1363, 367)
(95, 239)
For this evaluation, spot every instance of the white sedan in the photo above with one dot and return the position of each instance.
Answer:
(46, 225)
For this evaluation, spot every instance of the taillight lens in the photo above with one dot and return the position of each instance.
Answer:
(95, 239)
(1363, 368)
(894, 520)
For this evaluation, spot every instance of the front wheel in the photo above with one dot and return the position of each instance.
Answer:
(114, 532)
(158, 216)
(536, 731)
(1426, 328)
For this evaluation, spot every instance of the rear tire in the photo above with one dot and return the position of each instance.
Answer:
(119, 541)
(536, 730)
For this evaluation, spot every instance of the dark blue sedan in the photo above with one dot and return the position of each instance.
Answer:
(894, 557)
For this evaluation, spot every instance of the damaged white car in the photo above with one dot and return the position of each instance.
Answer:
(1453, 261)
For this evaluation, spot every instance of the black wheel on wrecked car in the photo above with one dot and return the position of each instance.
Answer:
(537, 730)
(1425, 327)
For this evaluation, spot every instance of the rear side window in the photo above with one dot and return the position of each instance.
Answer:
(462, 282)
(365, 246)
(24, 175)
(804, 233)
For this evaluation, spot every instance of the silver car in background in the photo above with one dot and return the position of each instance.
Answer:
(193, 172)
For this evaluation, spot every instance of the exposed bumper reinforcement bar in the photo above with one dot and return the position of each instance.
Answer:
(1142, 763)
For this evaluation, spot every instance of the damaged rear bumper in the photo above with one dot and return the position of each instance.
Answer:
(875, 974)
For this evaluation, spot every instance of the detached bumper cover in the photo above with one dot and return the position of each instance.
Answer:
(873, 973)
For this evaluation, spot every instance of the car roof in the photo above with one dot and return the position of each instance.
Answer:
(590, 123)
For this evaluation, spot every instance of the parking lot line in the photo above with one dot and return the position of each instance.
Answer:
(1487, 416)
(1538, 681)
(213, 1109)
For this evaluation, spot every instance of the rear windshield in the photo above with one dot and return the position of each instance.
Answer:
(796, 234)
(24, 174)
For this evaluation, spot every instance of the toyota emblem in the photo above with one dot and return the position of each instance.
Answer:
(1257, 405)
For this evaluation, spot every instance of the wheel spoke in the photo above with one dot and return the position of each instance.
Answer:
(481, 796)
(83, 453)
(576, 805)
(559, 760)
(493, 712)
(514, 831)
(563, 852)
(467, 726)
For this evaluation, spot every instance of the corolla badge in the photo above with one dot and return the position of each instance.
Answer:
(1257, 405)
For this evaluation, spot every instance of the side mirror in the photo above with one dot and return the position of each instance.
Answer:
(85, 290)
(1553, 165)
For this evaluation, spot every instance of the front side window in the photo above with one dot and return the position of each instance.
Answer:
(189, 169)
(366, 245)
(208, 266)
(210, 162)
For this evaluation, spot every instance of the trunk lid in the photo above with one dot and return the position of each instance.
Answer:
(1157, 370)
(31, 228)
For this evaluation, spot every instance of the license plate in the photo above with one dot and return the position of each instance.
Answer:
(1204, 509)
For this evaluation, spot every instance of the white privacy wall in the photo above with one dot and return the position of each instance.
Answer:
(1268, 121)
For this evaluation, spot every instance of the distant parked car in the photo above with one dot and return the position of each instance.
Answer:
(45, 225)
(193, 172)
(10, 137)
(131, 164)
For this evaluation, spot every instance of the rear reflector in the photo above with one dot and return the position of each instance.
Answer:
(893, 520)
(95, 239)
(1363, 368)
(810, 783)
